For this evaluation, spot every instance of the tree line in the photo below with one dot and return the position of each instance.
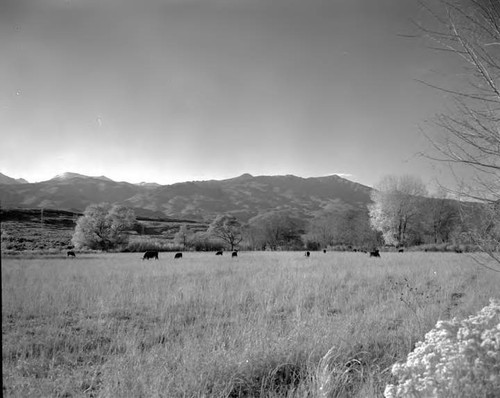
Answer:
(401, 214)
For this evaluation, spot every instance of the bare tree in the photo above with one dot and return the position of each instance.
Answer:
(279, 230)
(469, 139)
(349, 227)
(322, 230)
(442, 216)
(228, 229)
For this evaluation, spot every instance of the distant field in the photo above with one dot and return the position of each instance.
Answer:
(205, 326)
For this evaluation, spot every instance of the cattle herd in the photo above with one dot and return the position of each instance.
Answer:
(373, 253)
(153, 254)
(150, 254)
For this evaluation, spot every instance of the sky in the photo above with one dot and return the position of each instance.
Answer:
(179, 90)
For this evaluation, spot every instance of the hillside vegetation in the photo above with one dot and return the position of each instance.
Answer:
(257, 325)
(50, 231)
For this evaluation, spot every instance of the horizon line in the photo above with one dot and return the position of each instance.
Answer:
(61, 176)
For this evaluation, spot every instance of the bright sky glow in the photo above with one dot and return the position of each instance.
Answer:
(170, 91)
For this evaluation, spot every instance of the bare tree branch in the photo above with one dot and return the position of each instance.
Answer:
(469, 136)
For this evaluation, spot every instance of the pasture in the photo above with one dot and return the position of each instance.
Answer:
(258, 325)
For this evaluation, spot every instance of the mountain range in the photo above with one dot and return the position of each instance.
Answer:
(245, 196)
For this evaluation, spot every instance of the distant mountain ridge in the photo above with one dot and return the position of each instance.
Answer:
(9, 180)
(245, 196)
(69, 176)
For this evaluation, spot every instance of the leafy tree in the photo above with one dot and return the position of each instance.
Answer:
(396, 209)
(103, 226)
(228, 229)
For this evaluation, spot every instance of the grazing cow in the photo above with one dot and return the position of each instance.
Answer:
(234, 254)
(178, 255)
(401, 250)
(458, 251)
(150, 254)
(219, 253)
(71, 254)
(375, 253)
(324, 250)
(308, 254)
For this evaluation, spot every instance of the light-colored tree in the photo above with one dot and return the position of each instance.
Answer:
(396, 208)
(228, 229)
(467, 137)
(103, 227)
(183, 237)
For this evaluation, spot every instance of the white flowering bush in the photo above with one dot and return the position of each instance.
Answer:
(457, 359)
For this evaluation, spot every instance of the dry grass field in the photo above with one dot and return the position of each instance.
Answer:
(259, 325)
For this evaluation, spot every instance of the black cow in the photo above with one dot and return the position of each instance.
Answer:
(324, 250)
(219, 253)
(178, 255)
(234, 254)
(375, 253)
(458, 251)
(401, 250)
(150, 254)
(71, 254)
(308, 254)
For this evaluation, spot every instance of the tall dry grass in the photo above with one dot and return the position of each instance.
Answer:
(261, 325)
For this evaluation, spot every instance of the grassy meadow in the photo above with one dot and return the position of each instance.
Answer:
(261, 325)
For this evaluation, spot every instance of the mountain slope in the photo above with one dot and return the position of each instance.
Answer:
(68, 191)
(244, 196)
(9, 180)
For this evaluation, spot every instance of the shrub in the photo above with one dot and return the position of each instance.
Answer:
(457, 359)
